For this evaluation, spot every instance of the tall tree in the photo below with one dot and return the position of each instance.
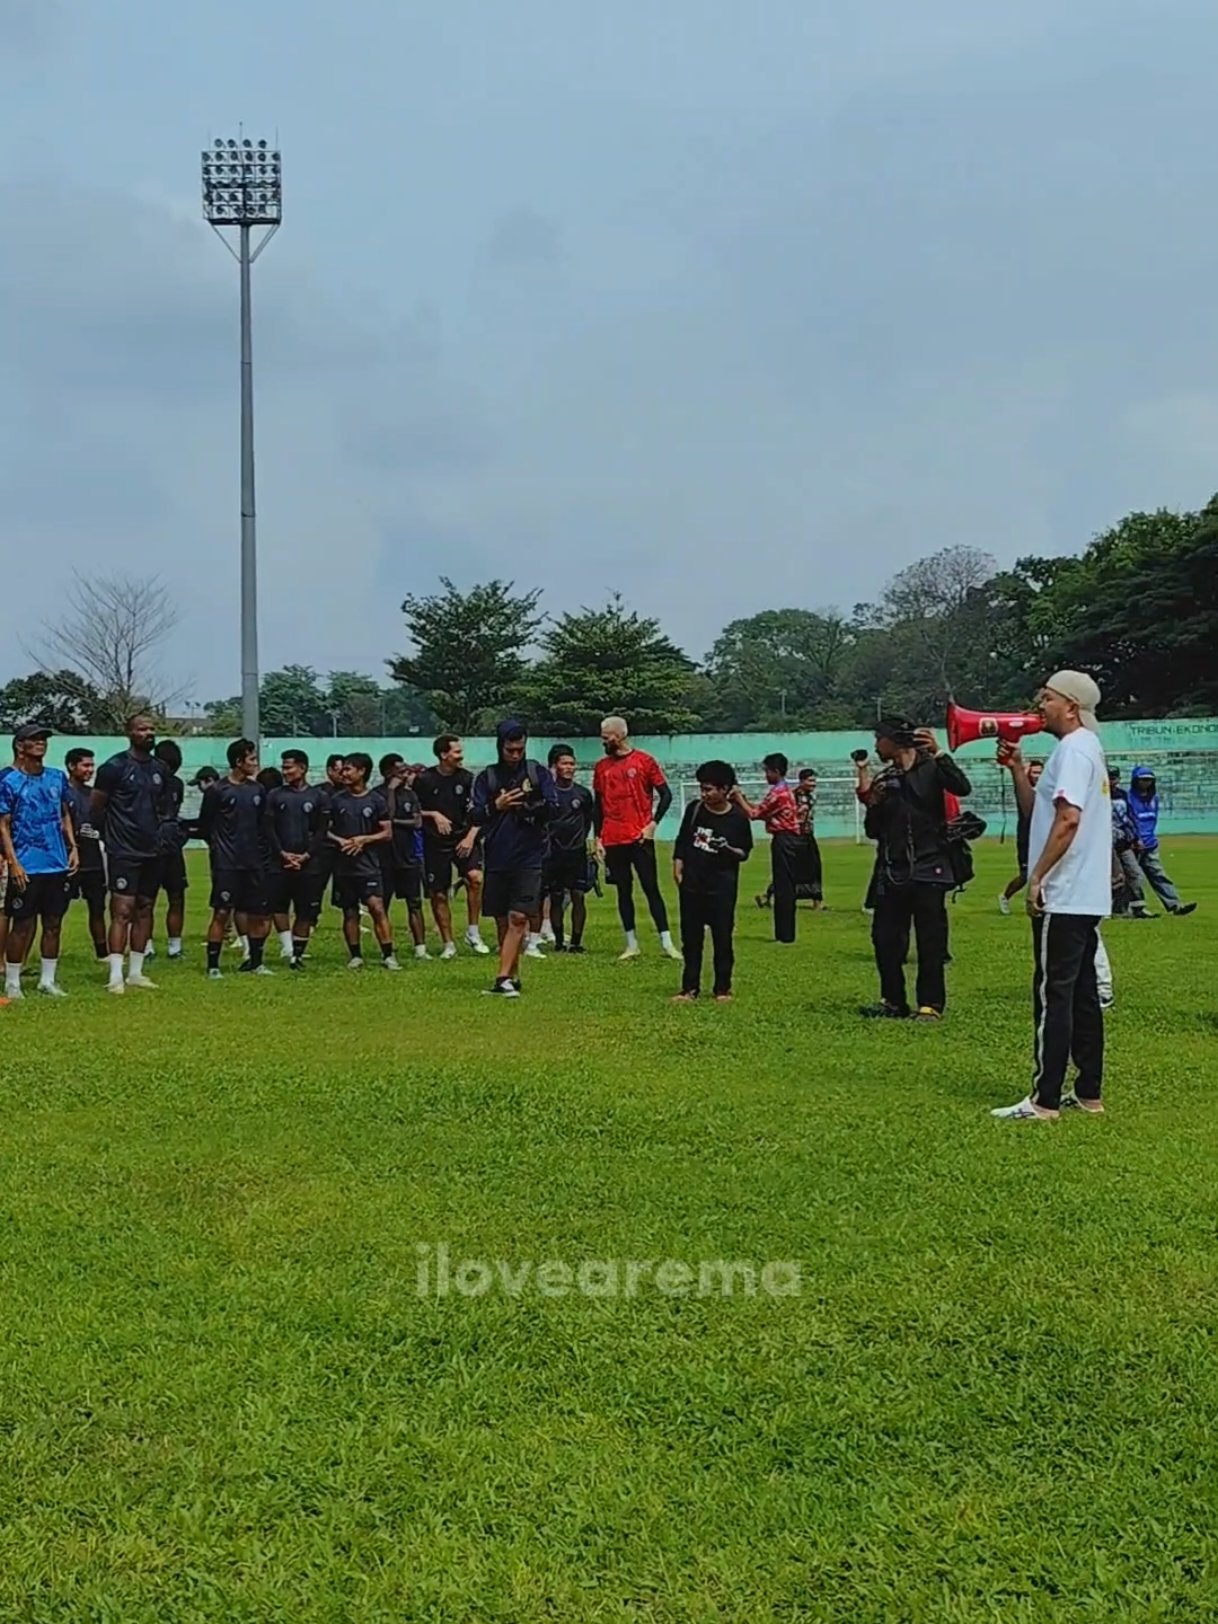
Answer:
(58, 699)
(292, 702)
(468, 648)
(601, 662)
(780, 668)
(111, 634)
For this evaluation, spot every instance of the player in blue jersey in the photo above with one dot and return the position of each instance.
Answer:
(39, 849)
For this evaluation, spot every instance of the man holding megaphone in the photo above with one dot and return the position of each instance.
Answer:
(1069, 893)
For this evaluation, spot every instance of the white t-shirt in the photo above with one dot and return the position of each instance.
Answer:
(1076, 772)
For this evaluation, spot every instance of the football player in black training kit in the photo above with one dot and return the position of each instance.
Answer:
(130, 806)
(174, 882)
(359, 825)
(401, 859)
(567, 871)
(89, 881)
(444, 795)
(297, 815)
(230, 821)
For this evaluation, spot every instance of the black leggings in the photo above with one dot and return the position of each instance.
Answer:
(622, 863)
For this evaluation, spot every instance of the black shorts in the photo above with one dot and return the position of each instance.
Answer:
(297, 891)
(173, 874)
(45, 896)
(89, 883)
(567, 871)
(239, 890)
(352, 891)
(134, 876)
(514, 890)
(441, 866)
(405, 883)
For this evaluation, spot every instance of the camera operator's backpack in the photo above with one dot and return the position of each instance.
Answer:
(963, 828)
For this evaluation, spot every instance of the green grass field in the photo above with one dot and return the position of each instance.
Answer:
(993, 1397)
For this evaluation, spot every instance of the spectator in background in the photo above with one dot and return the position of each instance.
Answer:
(811, 873)
(779, 814)
(1023, 829)
(1128, 898)
(1144, 807)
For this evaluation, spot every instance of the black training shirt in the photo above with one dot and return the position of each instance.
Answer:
(570, 826)
(230, 820)
(449, 794)
(88, 841)
(138, 804)
(296, 819)
(352, 816)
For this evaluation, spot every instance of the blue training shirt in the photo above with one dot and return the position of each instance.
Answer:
(35, 802)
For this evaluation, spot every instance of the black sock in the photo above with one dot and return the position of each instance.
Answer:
(577, 937)
(558, 926)
(386, 950)
(299, 946)
(213, 955)
(102, 952)
(257, 944)
(355, 950)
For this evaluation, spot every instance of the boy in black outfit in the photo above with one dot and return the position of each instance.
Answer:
(714, 840)
(568, 870)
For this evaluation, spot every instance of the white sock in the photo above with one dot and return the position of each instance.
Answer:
(12, 978)
(666, 939)
(49, 967)
(135, 965)
(473, 934)
(632, 940)
(245, 946)
(534, 941)
(285, 941)
(116, 969)
(175, 944)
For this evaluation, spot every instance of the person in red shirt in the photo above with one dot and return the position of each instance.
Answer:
(780, 815)
(630, 798)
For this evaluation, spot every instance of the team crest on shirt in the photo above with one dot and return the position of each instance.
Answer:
(156, 779)
(459, 788)
(367, 811)
(631, 772)
(308, 806)
(257, 800)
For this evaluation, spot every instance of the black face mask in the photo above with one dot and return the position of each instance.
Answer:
(609, 747)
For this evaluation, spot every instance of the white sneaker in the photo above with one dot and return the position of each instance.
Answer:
(629, 954)
(150, 951)
(355, 964)
(450, 951)
(1004, 906)
(533, 951)
(14, 996)
(1071, 1102)
(259, 970)
(547, 935)
(212, 975)
(51, 989)
(175, 958)
(421, 954)
(1025, 1111)
(286, 954)
(390, 963)
(673, 953)
(118, 988)
(477, 945)
(142, 982)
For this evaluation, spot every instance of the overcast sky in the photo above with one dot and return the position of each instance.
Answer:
(727, 306)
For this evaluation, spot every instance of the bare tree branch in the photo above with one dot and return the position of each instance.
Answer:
(110, 632)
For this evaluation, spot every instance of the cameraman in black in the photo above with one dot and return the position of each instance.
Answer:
(907, 817)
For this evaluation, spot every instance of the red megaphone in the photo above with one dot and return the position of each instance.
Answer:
(966, 726)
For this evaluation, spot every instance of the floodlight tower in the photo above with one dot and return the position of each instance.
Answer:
(243, 189)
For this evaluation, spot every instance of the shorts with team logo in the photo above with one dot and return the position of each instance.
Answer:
(297, 891)
(44, 896)
(134, 876)
(441, 865)
(352, 891)
(240, 890)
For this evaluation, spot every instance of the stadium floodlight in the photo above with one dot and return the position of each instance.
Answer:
(243, 191)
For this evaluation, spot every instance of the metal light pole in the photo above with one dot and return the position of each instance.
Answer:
(243, 189)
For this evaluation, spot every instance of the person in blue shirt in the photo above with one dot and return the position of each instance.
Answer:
(39, 849)
(510, 807)
(1144, 810)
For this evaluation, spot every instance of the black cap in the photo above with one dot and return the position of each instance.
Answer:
(32, 730)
